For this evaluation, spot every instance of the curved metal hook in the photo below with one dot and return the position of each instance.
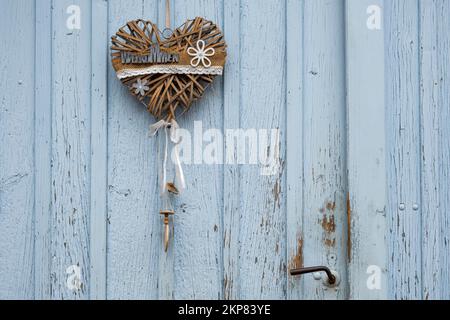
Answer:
(331, 277)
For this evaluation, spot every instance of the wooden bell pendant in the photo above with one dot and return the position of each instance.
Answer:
(167, 211)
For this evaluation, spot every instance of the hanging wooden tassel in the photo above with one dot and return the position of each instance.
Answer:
(166, 211)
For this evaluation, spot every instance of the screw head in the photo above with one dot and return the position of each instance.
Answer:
(402, 207)
(317, 275)
(415, 207)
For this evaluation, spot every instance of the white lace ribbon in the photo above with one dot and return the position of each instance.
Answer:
(171, 69)
(170, 131)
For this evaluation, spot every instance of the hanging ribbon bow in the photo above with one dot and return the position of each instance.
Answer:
(170, 130)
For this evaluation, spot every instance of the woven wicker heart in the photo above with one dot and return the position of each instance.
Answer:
(168, 74)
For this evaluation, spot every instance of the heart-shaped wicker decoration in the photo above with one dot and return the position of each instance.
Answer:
(168, 74)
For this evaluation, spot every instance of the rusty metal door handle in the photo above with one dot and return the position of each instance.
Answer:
(330, 275)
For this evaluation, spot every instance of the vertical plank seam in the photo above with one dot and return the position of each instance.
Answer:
(34, 148)
(442, 49)
(108, 78)
(348, 230)
(303, 131)
(107, 149)
(286, 183)
(222, 217)
(238, 169)
(93, 289)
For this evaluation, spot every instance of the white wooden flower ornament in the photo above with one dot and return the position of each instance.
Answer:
(200, 55)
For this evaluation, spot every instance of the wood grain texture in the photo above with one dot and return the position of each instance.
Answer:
(294, 145)
(231, 173)
(434, 146)
(99, 145)
(71, 110)
(134, 224)
(324, 145)
(366, 151)
(79, 175)
(262, 251)
(403, 164)
(198, 220)
(16, 150)
(417, 113)
(442, 290)
(43, 150)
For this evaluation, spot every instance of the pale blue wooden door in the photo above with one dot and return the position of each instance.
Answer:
(358, 90)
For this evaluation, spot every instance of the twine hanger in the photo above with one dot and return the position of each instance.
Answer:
(167, 14)
(171, 125)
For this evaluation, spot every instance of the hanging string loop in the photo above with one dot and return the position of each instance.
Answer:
(168, 14)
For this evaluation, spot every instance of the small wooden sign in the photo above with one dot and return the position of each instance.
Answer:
(154, 56)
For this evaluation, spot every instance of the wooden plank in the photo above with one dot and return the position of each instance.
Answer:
(366, 153)
(71, 77)
(443, 22)
(429, 101)
(43, 149)
(262, 251)
(403, 166)
(134, 225)
(16, 156)
(294, 141)
(231, 180)
(99, 140)
(324, 238)
(435, 146)
(166, 271)
(198, 219)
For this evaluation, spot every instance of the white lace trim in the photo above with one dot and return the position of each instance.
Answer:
(126, 73)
